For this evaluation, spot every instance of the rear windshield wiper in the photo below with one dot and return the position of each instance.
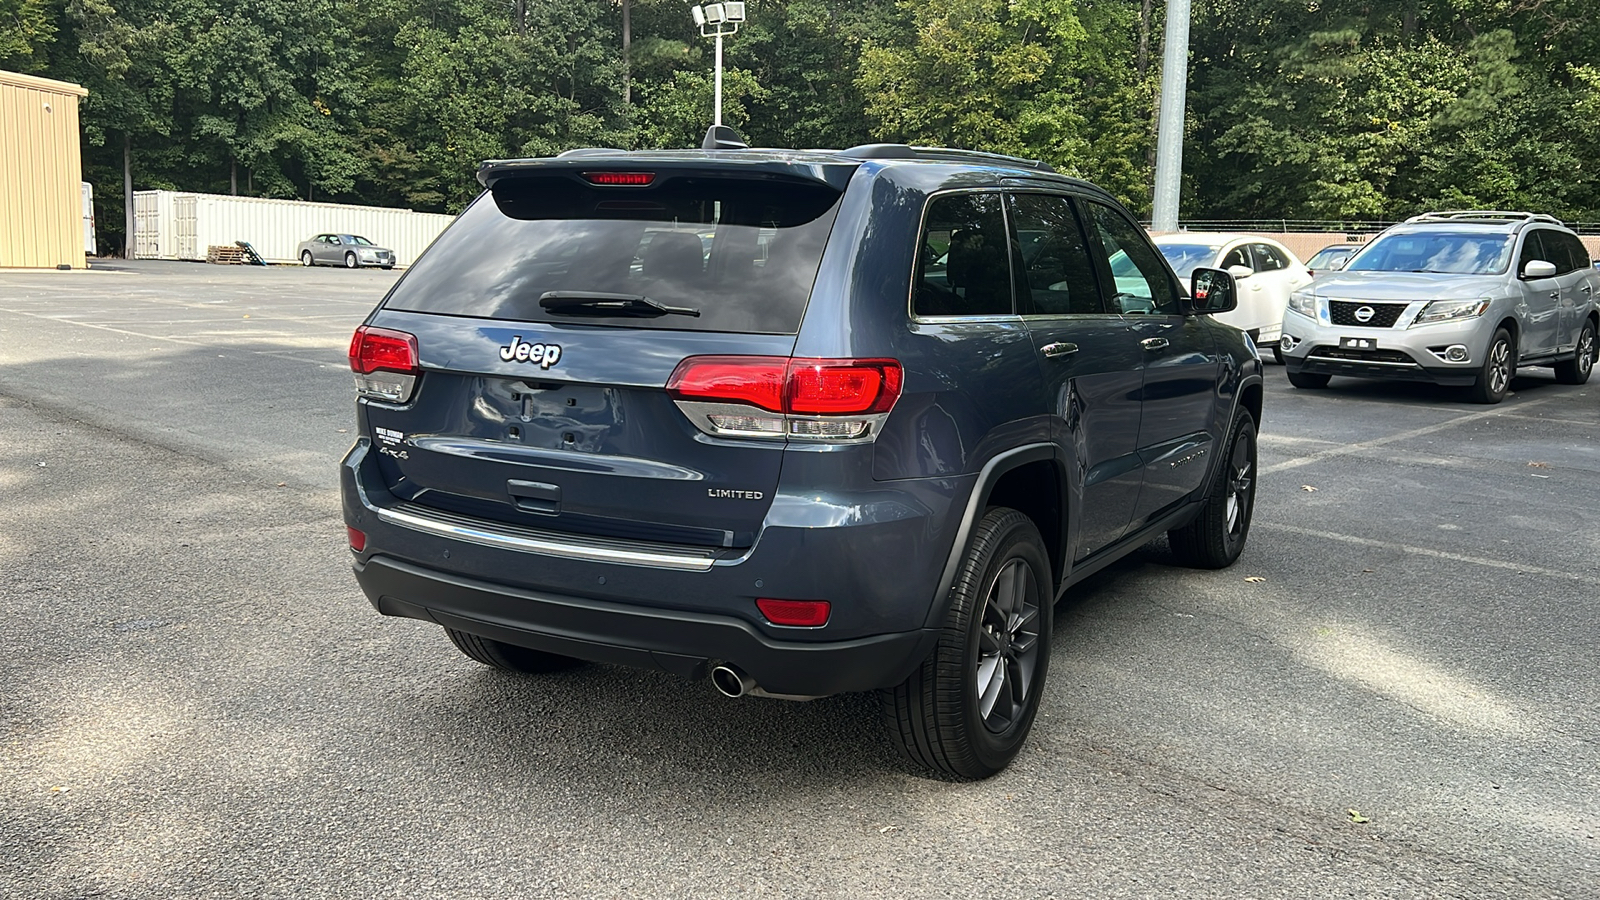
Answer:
(598, 303)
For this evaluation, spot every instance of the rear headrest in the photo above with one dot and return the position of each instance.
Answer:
(674, 256)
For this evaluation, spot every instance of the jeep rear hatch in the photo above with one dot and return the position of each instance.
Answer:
(548, 321)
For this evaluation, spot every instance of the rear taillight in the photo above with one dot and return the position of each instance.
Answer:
(358, 540)
(843, 386)
(384, 362)
(779, 396)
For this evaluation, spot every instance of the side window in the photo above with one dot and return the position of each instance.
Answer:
(964, 265)
(1057, 273)
(1142, 283)
(1533, 248)
(1268, 259)
(1237, 257)
(1580, 253)
(1556, 244)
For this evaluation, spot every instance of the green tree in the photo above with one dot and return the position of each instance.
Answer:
(27, 28)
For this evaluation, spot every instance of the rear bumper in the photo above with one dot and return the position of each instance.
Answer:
(876, 556)
(686, 644)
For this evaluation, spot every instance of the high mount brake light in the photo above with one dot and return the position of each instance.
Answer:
(814, 399)
(620, 179)
(385, 363)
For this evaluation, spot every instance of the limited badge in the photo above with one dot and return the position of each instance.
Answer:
(544, 355)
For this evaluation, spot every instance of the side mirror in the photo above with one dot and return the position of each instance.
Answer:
(1538, 268)
(1240, 273)
(1212, 291)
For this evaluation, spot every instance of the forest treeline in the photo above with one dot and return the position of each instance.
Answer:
(1317, 109)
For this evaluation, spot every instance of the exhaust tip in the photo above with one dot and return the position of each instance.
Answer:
(731, 682)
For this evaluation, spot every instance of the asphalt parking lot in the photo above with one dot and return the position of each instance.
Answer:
(1392, 694)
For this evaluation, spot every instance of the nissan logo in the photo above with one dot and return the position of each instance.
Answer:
(1365, 314)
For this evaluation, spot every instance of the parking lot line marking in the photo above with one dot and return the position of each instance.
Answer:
(1349, 449)
(1293, 439)
(1436, 554)
(1552, 420)
(173, 340)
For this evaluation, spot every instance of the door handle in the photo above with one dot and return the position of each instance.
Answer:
(1154, 343)
(1587, 289)
(1053, 351)
(1555, 295)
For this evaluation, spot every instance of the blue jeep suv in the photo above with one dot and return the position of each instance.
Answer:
(802, 422)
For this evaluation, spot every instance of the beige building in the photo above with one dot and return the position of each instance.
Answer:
(41, 173)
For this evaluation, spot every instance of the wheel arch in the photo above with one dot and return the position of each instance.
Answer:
(1513, 328)
(1028, 479)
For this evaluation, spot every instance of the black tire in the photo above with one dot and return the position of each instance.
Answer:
(305, 258)
(996, 636)
(1277, 354)
(1309, 381)
(508, 657)
(387, 268)
(1215, 537)
(1499, 367)
(1576, 370)
(350, 261)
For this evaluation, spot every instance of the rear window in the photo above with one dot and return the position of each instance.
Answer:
(740, 253)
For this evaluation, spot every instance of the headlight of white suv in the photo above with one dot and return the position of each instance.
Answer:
(1304, 302)
(1452, 310)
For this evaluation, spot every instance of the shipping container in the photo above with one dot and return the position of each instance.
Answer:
(181, 225)
(41, 171)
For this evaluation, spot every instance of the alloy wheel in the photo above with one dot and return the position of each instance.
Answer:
(1500, 366)
(1240, 486)
(1008, 645)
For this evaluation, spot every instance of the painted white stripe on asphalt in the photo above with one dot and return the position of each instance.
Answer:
(1349, 449)
(1436, 554)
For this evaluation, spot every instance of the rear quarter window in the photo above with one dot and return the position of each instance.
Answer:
(741, 253)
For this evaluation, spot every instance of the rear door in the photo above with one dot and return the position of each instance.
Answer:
(1540, 309)
(1280, 275)
(1089, 361)
(1576, 277)
(549, 319)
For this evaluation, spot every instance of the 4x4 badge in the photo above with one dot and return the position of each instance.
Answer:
(545, 355)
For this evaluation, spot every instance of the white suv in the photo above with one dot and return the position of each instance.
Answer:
(1456, 298)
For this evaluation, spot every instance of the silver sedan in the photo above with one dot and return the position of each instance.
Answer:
(349, 250)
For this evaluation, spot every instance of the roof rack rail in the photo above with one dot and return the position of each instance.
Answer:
(589, 151)
(906, 151)
(1458, 215)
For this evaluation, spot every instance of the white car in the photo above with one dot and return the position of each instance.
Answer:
(1265, 270)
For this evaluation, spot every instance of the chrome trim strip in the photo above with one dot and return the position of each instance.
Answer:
(1363, 362)
(546, 546)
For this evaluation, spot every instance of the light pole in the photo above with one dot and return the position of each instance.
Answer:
(718, 20)
(1169, 133)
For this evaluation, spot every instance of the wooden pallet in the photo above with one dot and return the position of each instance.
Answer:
(226, 255)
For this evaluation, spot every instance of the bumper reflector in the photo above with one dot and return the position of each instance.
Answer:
(799, 613)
